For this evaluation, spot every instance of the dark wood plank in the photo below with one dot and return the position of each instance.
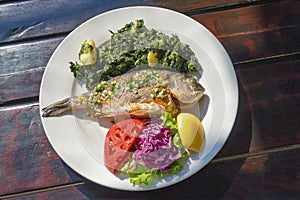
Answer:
(268, 176)
(28, 55)
(260, 45)
(269, 114)
(63, 193)
(23, 85)
(273, 93)
(247, 33)
(21, 73)
(30, 19)
(256, 18)
(27, 161)
(249, 36)
(256, 31)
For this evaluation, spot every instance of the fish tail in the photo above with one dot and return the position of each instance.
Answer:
(58, 108)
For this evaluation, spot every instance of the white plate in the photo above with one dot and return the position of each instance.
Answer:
(80, 143)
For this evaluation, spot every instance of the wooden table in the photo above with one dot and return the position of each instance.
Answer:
(260, 160)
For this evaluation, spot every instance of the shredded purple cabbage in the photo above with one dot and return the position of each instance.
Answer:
(154, 147)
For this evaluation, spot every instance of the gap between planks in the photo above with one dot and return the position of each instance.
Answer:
(4, 2)
(277, 58)
(216, 160)
(256, 153)
(29, 192)
(224, 7)
(190, 13)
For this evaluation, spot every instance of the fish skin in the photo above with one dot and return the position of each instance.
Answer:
(139, 93)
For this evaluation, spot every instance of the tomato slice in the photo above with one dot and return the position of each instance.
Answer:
(119, 140)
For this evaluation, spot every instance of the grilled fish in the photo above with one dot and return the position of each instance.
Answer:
(139, 94)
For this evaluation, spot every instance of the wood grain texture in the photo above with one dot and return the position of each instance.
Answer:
(247, 33)
(252, 19)
(20, 85)
(27, 55)
(65, 193)
(27, 160)
(256, 31)
(273, 93)
(269, 176)
(269, 113)
(24, 20)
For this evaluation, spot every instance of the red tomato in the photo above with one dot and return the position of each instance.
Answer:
(119, 139)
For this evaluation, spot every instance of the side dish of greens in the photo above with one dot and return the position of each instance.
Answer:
(132, 46)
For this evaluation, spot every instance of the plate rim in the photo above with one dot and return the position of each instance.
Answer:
(233, 79)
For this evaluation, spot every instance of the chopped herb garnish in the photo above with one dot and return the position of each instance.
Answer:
(113, 86)
(100, 88)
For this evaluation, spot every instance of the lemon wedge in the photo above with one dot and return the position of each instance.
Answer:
(191, 132)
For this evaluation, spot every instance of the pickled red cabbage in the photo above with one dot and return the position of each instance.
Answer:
(154, 147)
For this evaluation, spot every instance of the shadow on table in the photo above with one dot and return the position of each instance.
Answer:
(212, 182)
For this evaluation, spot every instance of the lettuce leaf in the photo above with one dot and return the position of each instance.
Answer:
(147, 178)
(140, 174)
(169, 121)
(143, 179)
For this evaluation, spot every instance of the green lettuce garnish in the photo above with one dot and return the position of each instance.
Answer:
(169, 121)
(139, 174)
